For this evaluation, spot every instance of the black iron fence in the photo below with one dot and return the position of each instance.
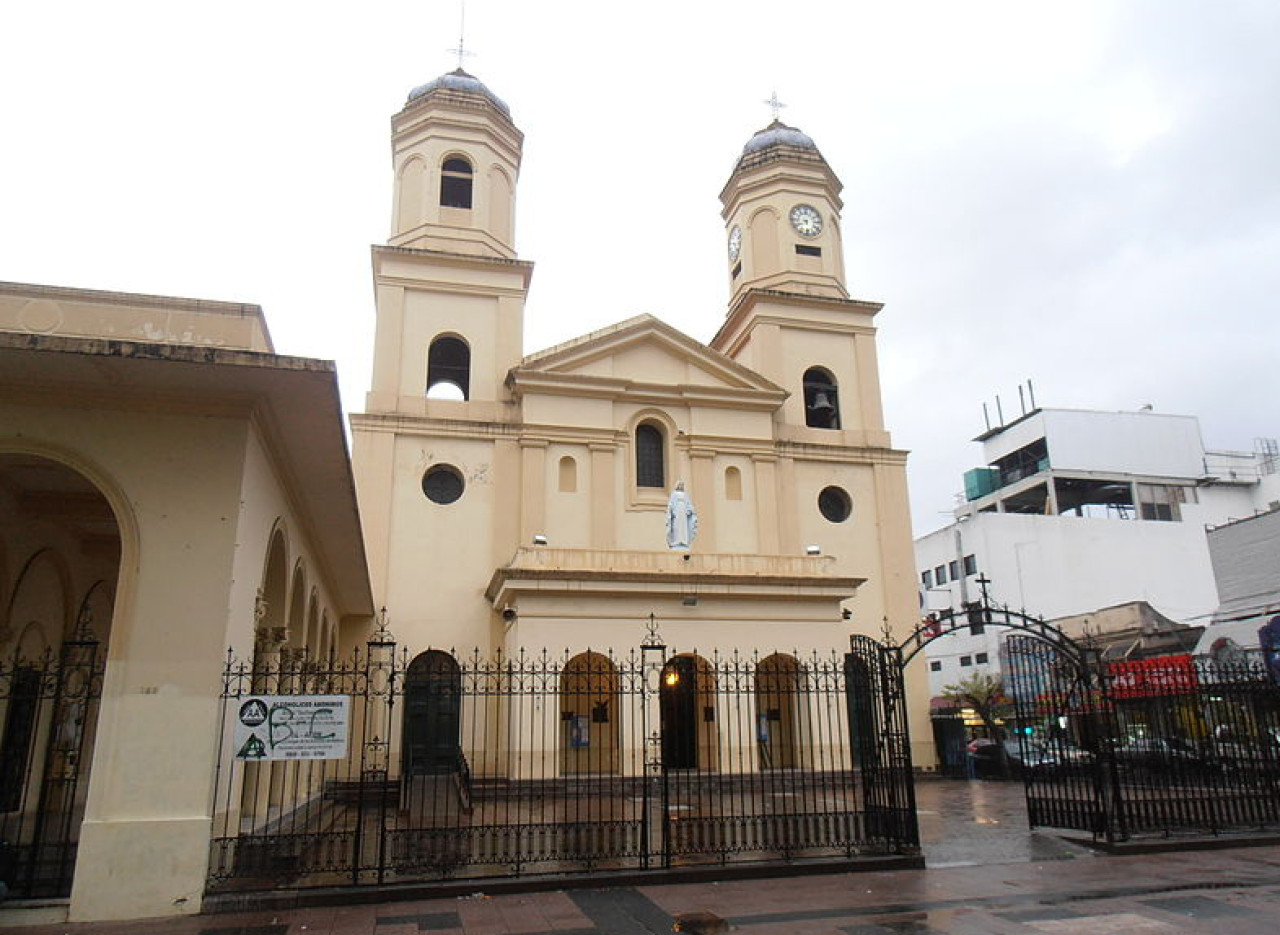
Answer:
(48, 710)
(1177, 744)
(475, 767)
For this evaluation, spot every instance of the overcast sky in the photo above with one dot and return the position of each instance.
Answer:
(1086, 195)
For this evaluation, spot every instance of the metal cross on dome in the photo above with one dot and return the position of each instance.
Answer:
(776, 104)
(460, 49)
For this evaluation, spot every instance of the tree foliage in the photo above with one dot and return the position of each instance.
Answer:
(985, 695)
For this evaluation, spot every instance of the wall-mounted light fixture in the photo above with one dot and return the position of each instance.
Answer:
(509, 614)
(539, 539)
(813, 550)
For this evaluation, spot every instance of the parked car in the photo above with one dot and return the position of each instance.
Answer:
(1153, 754)
(986, 758)
(1249, 757)
(1035, 757)
(1047, 758)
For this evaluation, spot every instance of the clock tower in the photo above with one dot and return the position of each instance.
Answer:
(782, 215)
(790, 316)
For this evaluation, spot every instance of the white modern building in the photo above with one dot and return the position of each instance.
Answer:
(1076, 511)
(1246, 566)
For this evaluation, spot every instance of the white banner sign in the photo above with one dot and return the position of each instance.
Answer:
(292, 727)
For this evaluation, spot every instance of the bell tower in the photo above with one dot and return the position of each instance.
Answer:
(450, 288)
(790, 316)
(782, 217)
(457, 156)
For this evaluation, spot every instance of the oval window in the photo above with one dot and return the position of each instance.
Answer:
(835, 504)
(442, 484)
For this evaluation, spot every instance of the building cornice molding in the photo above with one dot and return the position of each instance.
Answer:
(523, 383)
(423, 256)
(549, 571)
(740, 318)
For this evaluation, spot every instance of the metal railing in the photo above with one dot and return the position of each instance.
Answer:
(1173, 745)
(552, 764)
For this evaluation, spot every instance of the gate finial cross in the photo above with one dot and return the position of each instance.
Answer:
(982, 582)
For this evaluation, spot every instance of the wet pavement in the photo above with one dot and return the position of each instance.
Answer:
(986, 874)
(982, 822)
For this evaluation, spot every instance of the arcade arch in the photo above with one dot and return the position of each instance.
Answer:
(56, 615)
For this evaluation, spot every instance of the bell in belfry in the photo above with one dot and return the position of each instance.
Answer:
(822, 412)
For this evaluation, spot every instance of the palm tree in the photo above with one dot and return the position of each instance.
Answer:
(985, 695)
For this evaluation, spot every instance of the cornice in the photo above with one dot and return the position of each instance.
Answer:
(729, 336)
(523, 382)
(575, 571)
(446, 258)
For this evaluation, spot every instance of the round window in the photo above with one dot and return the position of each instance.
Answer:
(835, 504)
(442, 484)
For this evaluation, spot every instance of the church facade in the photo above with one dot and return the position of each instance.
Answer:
(688, 536)
(520, 502)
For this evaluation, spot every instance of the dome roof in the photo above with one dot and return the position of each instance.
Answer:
(459, 80)
(779, 134)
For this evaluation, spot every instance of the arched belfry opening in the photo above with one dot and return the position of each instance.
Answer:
(456, 182)
(449, 369)
(821, 399)
(59, 566)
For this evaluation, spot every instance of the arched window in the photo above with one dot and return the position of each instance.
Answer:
(821, 402)
(455, 183)
(650, 456)
(449, 369)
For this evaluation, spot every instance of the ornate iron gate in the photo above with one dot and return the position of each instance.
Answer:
(474, 768)
(49, 711)
(878, 727)
(1062, 721)
(1171, 745)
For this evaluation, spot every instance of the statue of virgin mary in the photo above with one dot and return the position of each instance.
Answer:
(682, 520)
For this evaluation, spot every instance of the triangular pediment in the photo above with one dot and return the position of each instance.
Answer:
(642, 352)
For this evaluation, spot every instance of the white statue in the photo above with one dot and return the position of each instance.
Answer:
(682, 520)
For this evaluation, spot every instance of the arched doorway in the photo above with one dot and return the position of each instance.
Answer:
(778, 712)
(57, 602)
(432, 735)
(687, 707)
(589, 726)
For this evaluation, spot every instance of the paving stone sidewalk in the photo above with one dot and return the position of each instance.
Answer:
(988, 875)
(1234, 891)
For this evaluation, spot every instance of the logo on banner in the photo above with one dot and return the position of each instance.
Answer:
(292, 727)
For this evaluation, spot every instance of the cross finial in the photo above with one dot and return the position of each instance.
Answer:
(460, 49)
(982, 582)
(776, 104)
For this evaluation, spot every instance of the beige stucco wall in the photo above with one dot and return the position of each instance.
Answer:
(197, 497)
(150, 319)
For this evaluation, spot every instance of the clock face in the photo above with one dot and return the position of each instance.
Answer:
(806, 220)
(735, 243)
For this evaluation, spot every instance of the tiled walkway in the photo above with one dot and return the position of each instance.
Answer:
(995, 891)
